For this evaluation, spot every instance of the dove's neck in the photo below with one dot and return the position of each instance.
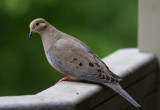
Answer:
(49, 37)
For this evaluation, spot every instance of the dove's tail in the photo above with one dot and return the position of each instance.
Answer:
(117, 88)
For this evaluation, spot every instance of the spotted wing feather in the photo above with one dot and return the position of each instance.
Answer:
(76, 59)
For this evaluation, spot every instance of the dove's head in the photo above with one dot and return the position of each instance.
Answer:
(38, 26)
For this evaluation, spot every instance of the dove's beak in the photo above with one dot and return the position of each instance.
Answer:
(31, 32)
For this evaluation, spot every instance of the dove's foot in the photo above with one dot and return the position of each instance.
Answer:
(64, 79)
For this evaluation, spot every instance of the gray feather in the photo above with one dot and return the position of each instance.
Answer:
(117, 88)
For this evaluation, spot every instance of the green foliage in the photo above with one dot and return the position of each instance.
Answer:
(104, 25)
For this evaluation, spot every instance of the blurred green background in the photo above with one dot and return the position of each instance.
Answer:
(104, 25)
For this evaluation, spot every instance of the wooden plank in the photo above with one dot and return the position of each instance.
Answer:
(149, 101)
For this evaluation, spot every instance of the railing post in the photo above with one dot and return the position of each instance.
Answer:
(149, 31)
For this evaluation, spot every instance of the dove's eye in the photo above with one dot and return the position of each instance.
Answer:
(37, 23)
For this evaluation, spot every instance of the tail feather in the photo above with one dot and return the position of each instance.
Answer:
(117, 88)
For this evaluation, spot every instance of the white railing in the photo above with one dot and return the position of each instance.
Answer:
(138, 69)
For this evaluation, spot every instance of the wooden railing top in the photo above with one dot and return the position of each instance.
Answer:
(130, 64)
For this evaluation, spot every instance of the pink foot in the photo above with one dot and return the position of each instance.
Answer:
(64, 79)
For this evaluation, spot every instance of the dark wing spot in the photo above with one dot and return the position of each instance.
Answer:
(91, 64)
(73, 60)
(112, 79)
(103, 77)
(99, 70)
(80, 64)
(100, 75)
(97, 64)
(117, 81)
(107, 77)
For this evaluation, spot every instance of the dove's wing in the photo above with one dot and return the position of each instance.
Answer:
(76, 59)
(101, 63)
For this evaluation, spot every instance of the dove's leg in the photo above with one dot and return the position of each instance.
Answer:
(64, 79)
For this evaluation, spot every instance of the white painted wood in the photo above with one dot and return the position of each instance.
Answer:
(149, 26)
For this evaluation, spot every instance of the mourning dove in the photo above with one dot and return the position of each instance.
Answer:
(72, 57)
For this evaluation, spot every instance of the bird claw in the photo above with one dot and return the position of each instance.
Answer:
(64, 79)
